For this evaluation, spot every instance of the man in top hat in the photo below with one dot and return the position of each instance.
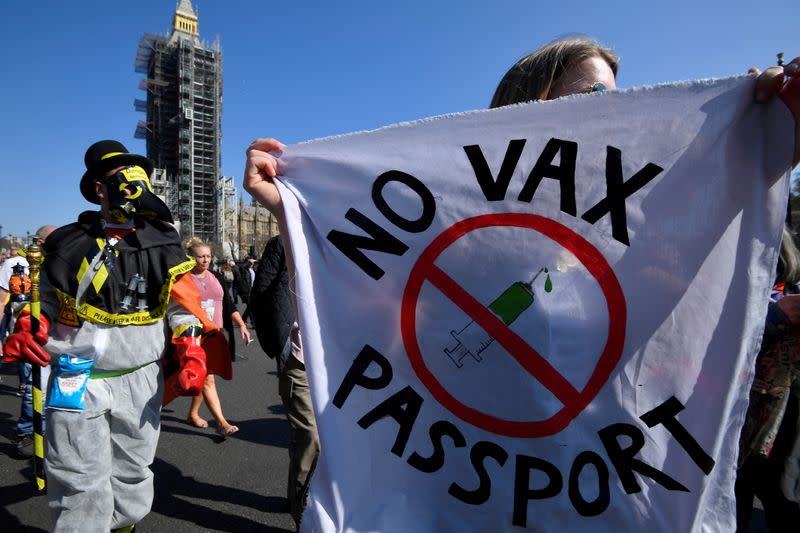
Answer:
(108, 285)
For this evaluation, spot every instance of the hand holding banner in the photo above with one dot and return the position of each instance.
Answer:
(612, 402)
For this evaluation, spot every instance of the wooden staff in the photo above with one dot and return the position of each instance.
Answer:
(35, 258)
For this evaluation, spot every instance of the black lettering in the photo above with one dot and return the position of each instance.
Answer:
(403, 407)
(564, 173)
(495, 189)
(356, 375)
(437, 431)
(379, 240)
(428, 202)
(617, 190)
(479, 452)
(600, 504)
(665, 415)
(523, 492)
(626, 464)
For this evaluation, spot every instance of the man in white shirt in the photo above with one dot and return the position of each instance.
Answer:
(6, 271)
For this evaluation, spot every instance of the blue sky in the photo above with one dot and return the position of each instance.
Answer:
(301, 70)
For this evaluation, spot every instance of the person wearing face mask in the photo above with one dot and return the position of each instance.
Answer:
(109, 284)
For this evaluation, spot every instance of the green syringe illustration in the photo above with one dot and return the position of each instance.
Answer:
(472, 339)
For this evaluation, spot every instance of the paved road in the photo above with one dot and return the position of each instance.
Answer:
(202, 483)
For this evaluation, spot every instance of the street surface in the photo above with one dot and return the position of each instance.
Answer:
(202, 482)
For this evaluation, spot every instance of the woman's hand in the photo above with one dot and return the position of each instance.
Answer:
(259, 170)
(785, 83)
(245, 333)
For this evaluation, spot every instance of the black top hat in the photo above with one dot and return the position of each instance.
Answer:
(103, 156)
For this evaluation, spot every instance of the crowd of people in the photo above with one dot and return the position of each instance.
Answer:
(135, 313)
(112, 284)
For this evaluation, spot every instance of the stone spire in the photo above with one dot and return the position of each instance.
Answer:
(185, 8)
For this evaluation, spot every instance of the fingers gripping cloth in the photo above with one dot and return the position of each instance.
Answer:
(22, 345)
(192, 360)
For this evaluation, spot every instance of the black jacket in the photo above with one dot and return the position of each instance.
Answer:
(270, 300)
(154, 251)
(241, 280)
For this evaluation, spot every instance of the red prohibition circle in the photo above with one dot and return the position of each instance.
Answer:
(574, 400)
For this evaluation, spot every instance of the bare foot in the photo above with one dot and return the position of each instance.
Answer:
(196, 421)
(230, 429)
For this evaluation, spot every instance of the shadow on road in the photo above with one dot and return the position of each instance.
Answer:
(12, 494)
(277, 409)
(12, 523)
(177, 505)
(269, 431)
(8, 426)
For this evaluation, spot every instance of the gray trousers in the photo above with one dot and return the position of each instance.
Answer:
(303, 437)
(98, 460)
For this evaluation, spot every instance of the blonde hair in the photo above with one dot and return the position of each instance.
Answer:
(789, 258)
(533, 76)
(193, 243)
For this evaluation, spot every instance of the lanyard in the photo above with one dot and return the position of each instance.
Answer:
(104, 256)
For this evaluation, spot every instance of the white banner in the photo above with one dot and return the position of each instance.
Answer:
(543, 316)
